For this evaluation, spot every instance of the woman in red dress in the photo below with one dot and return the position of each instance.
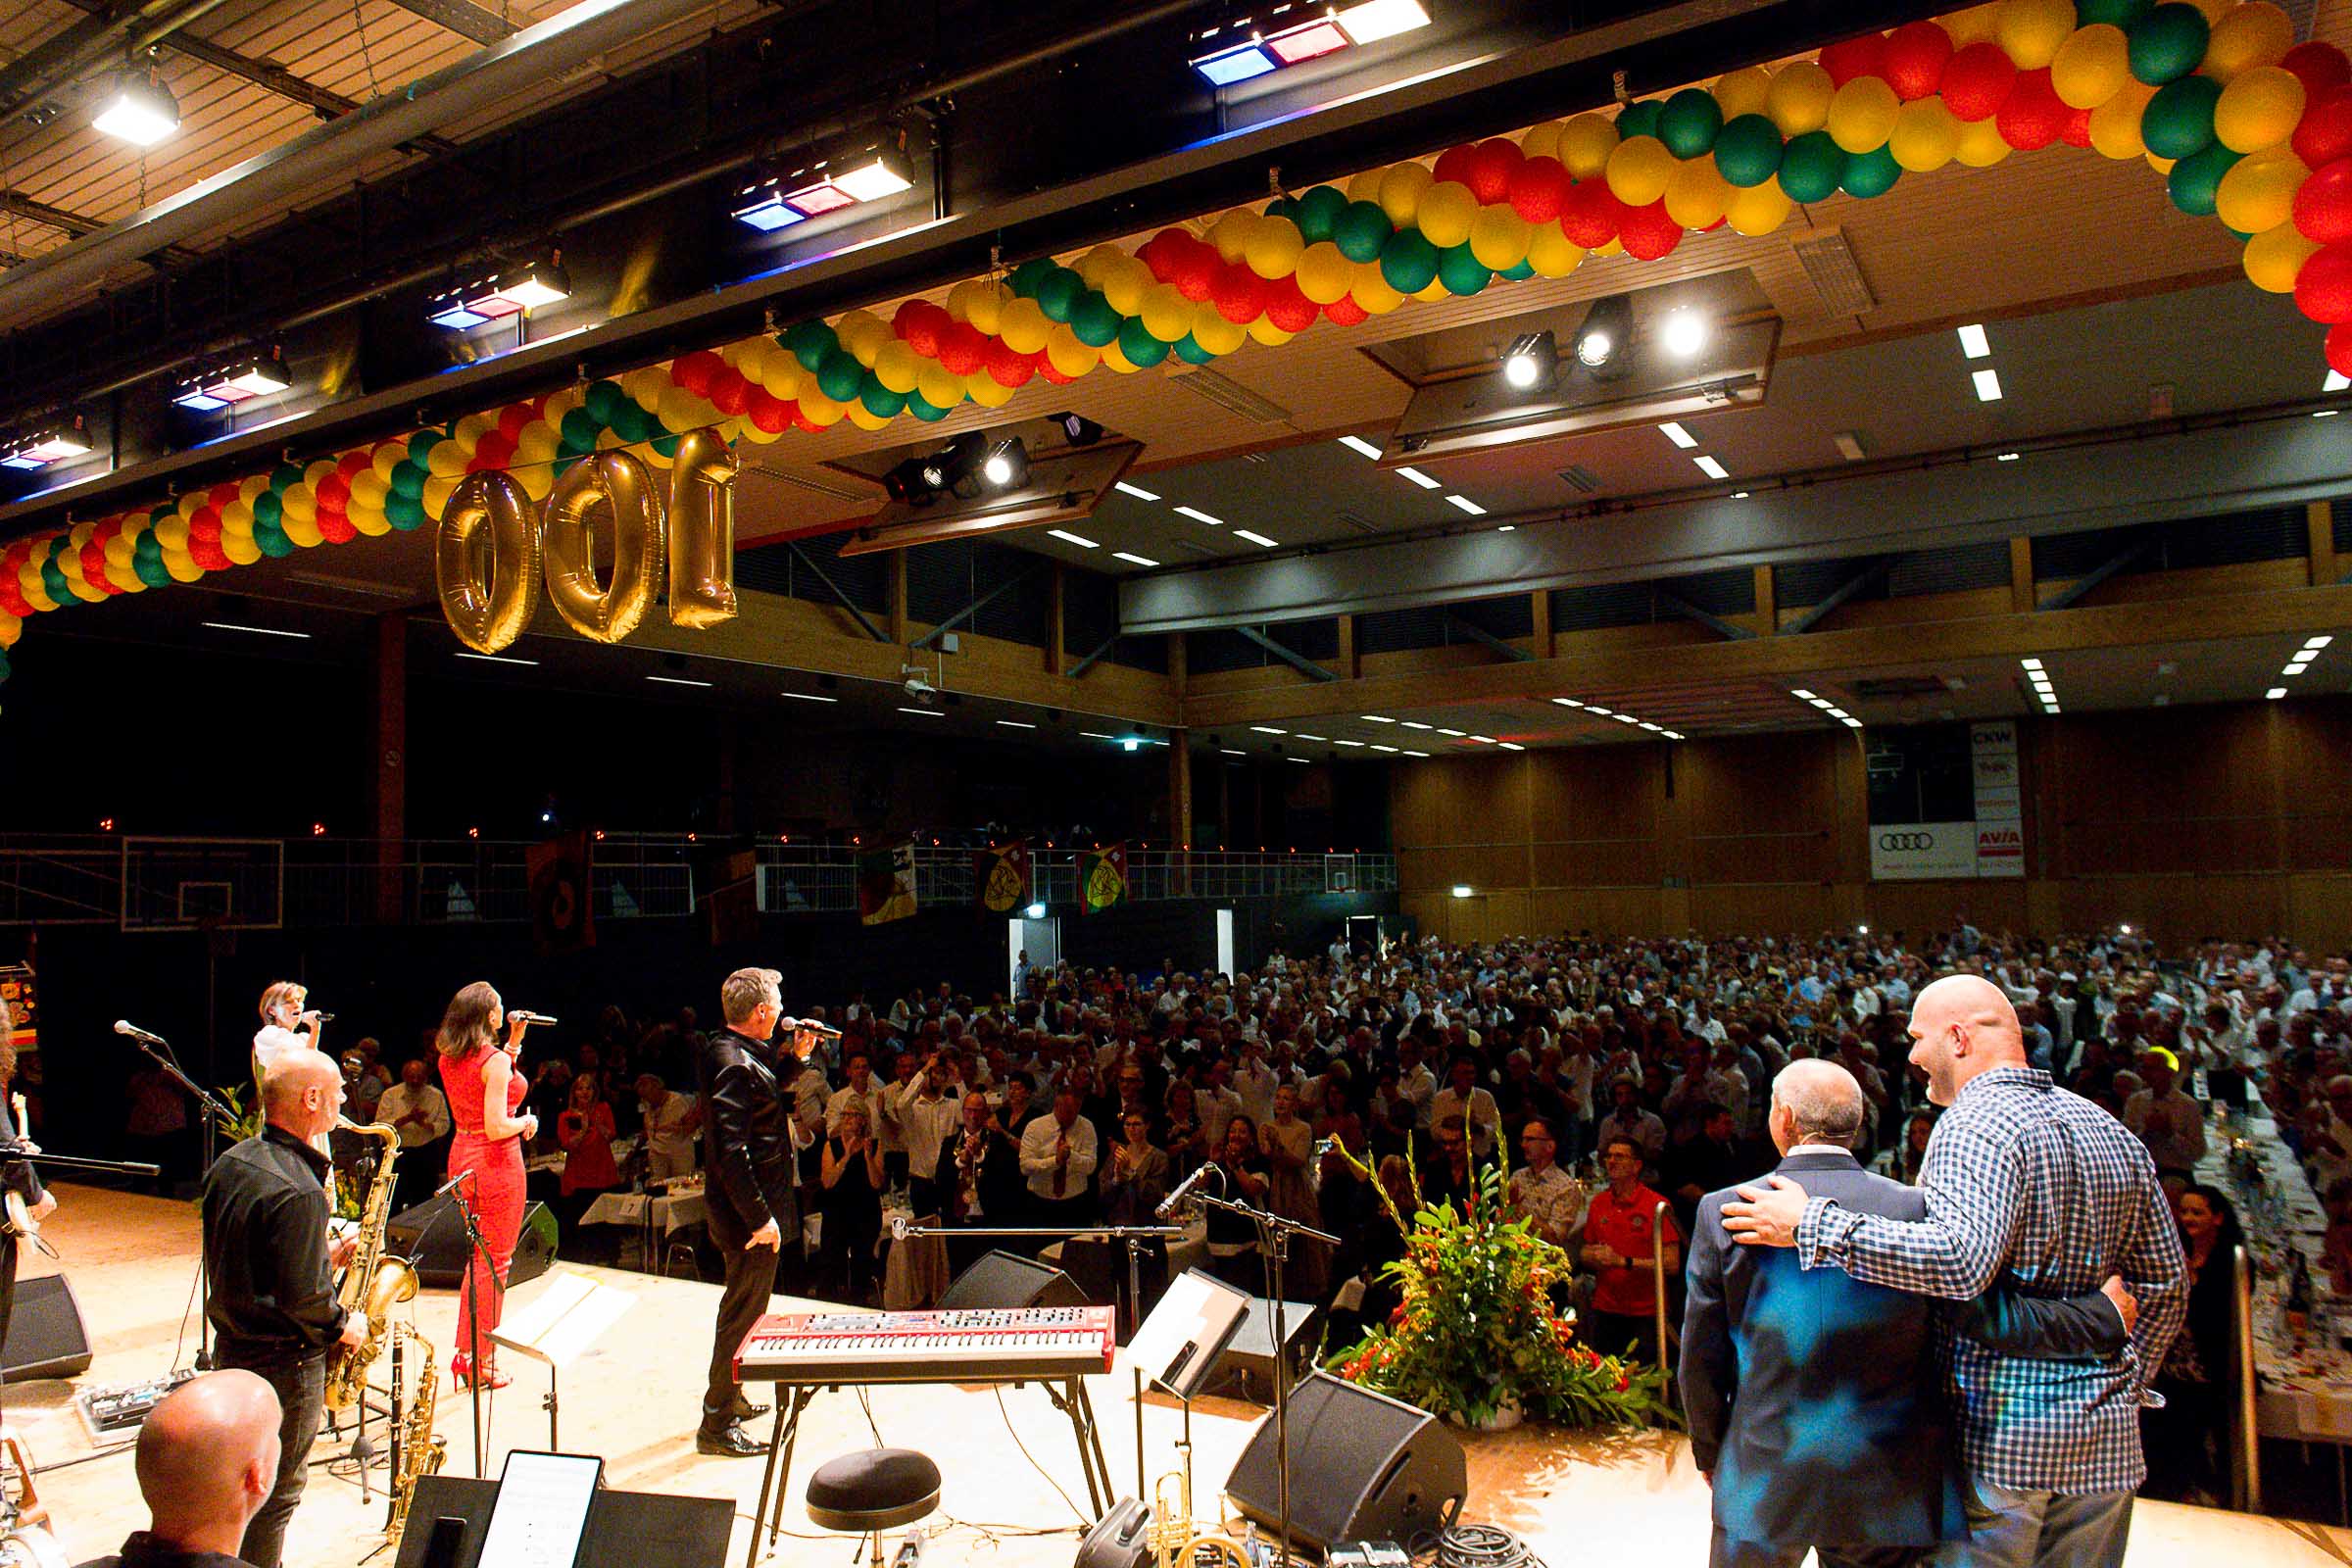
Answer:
(485, 1092)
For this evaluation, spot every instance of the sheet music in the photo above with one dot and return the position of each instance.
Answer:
(1195, 1320)
(560, 1324)
(541, 1511)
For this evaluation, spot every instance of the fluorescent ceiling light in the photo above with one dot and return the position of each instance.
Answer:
(1305, 736)
(2031, 664)
(1799, 691)
(1303, 761)
(498, 659)
(1078, 539)
(1410, 752)
(1625, 718)
(1414, 724)
(1646, 724)
(1508, 528)
(1855, 723)
(2006, 456)
(1681, 437)
(2297, 667)
(1266, 729)
(2326, 414)
(1973, 341)
(258, 632)
(2314, 644)
(1674, 734)
(1357, 443)
(1133, 559)
(1418, 477)
(2274, 693)
(1462, 890)
(676, 680)
(1376, 20)
(1258, 539)
(1358, 745)
(1738, 495)
(1199, 516)
(1096, 735)
(810, 697)
(1482, 740)
(1230, 751)
(1468, 505)
(1016, 723)
(1510, 746)
(1849, 445)
(1988, 385)
(924, 712)
(1391, 749)
(1710, 468)
(1376, 718)
(1567, 701)
(1455, 734)
(1595, 708)
(1134, 490)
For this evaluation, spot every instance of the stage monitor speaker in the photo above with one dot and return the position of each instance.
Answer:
(47, 1337)
(434, 1235)
(1120, 1538)
(1007, 1279)
(1363, 1467)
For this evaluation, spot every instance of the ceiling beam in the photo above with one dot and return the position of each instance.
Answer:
(1814, 615)
(1486, 639)
(1729, 630)
(947, 625)
(2201, 618)
(2122, 560)
(1288, 656)
(834, 588)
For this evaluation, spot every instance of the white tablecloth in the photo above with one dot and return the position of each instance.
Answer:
(665, 1213)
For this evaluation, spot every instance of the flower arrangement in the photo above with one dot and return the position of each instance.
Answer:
(1476, 1339)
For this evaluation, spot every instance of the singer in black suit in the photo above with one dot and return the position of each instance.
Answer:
(1815, 1403)
(749, 1142)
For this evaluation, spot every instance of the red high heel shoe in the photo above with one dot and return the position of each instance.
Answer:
(461, 1373)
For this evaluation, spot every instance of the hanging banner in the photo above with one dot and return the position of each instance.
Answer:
(886, 885)
(2000, 802)
(1003, 874)
(1102, 878)
(1923, 852)
(563, 914)
(17, 990)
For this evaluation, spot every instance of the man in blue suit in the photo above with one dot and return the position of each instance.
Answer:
(1815, 1403)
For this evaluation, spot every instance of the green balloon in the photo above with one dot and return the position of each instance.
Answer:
(840, 376)
(604, 402)
(4, 656)
(1317, 213)
(1059, 293)
(579, 430)
(924, 409)
(405, 512)
(1141, 348)
(1640, 119)
(2178, 121)
(407, 479)
(52, 579)
(1408, 262)
(285, 477)
(271, 541)
(147, 547)
(809, 343)
(2196, 178)
(422, 444)
(1093, 322)
(1870, 173)
(1748, 152)
(1812, 167)
(2168, 43)
(1361, 230)
(2115, 13)
(1030, 273)
(1689, 122)
(880, 401)
(1190, 351)
(1461, 273)
(668, 445)
(633, 422)
(268, 510)
(150, 571)
(1517, 273)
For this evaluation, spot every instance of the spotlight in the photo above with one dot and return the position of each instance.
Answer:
(253, 376)
(913, 482)
(1077, 429)
(509, 291)
(1244, 47)
(761, 206)
(1683, 333)
(142, 112)
(44, 447)
(1035, 911)
(1601, 342)
(1006, 465)
(1532, 361)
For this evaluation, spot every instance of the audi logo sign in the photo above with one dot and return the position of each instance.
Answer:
(1924, 852)
(1906, 841)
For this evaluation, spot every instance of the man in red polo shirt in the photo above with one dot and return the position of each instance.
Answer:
(1617, 1249)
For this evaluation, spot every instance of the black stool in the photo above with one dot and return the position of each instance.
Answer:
(872, 1491)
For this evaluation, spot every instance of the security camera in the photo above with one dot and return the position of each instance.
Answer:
(920, 689)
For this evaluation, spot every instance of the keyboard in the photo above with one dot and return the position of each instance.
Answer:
(968, 1346)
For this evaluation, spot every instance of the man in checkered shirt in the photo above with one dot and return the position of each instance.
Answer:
(2034, 1188)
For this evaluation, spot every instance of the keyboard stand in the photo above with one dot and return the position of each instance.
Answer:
(1069, 1396)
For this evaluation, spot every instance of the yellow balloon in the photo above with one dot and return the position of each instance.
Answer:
(2258, 193)
(304, 531)
(646, 384)
(897, 366)
(1230, 234)
(10, 628)
(1273, 248)
(171, 533)
(1096, 265)
(1862, 115)
(1612, 246)
(1023, 326)
(2276, 255)
(1365, 188)
(1117, 363)
(1541, 141)
(436, 495)
(1067, 354)
(1585, 143)
(858, 414)
(2260, 108)
(446, 459)
(1324, 274)
(984, 307)
(1798, 100)
(467, 434)
(1445, 212)
(862, 333)
(298, 503)
(1213, 332)
(316, 474)
(1125, 284)
(387, 457)
(1696, 195)
(2162, 166)
(823, 413)
(1553, 253)
(538, 483)
(2030, 31)
(958, 303)
(1374, 293)
(2115, 124)
(2091, 67)
(1638, 170)
(1400, 191)
(1759, 209)
(240, 548)
(987, 391)
(1263, 331)
(2245, 38)
(1436, 291)
(1167, 315)
(1498, 238)
(253, 484)
(680, 410)
(1926, 137)
(184, 568)
(1743, 92)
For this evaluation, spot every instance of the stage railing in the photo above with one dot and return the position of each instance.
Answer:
(2245, 1451)
(1657, 1268)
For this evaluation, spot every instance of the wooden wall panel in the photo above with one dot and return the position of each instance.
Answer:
(1609, 863)
(1922, 906)
(1759, 784)
(1802, 907)
(1599, 792)
(1761, 858)
(1610, 911)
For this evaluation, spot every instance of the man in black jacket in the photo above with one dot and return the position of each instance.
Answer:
(749, 1139)
(979, 1182)
(208, 1454)
(272, 1302)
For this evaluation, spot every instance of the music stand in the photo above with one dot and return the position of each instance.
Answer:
(560, 1324)
(1179, 1345)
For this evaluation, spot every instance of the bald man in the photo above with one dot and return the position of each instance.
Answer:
(208, 1458)
(2037, 1189)
(271, 1266)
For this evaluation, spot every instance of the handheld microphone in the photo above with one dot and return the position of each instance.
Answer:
(123, 1026)
(322, 1017)
(822, 1031)
(1184, 1190)
(531, 1018)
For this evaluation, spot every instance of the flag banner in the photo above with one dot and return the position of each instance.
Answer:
(562, 913)
(1003, 875)
(1102, 878)
(886, 885)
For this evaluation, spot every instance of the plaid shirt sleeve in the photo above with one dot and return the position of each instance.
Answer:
(1974, 1184)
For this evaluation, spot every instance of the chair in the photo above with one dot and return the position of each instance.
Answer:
(872, 1491)
(681, 1253)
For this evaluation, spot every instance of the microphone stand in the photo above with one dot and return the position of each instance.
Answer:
(213, 1115)
(476, 1246)
(1274, 1235)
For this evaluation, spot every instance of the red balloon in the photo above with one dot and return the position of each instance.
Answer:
(1197, 267)
(1539, 188)
(1492, 165)
(694, 372)
(1650, 232)
(2339, 348)
(208, 554)
(335, 529)
(728, 390)
(2033, 115)
(1164, 252)
(220, 495)
(2324, 288)
(1849, 57)
(94, 564)
(2326, 133)
(334, 490)
(1289, 309)
(1591, 214)
(1045, 367)
(1346, 311)
(918, 324)
(493, 451)
(206, 524)
(1915, 54)
(765, 409)
(12, 599)
(1006, 366)
(1454, 164)
(1976, 81)
(961, 348)
(2318, 66)
(1240, 294)
(2324, 204)
(2077, 132)
(360, 461)
(514, 415)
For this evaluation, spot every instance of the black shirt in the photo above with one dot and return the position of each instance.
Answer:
(264, 1249)
(143, 1551)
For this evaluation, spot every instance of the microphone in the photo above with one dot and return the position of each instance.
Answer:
(526, 1018)
(1184, 1190)
(123, 1026)
(453, 1184)
(796, 1026)
(322, 1017)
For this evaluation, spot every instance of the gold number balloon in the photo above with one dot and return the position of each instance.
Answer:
(486, 560)
(702, 532)
(619, 486)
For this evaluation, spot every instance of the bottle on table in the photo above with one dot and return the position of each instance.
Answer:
(2296, 1309)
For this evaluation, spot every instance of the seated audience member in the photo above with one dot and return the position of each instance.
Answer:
(207, 1460)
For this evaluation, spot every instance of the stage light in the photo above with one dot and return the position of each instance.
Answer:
(885, 172)
(1006, 465)
(1683, 333)
(1035, 911)
(254, 376)
(1601, 342)
(44, 447)
(534, 284)
(1376, 20)
(1306, 41)
(761, 207)
(1077, 429)
(1239, 63)
(1532, 361)
(914, 482)
(142, 112)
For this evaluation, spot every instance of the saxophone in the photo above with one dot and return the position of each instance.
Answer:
(421, 1451)
(373, 1284)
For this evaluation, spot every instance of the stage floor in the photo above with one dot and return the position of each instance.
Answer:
(634, 1399)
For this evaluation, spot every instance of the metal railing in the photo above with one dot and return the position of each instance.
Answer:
(2245, 1455)
(823, 878)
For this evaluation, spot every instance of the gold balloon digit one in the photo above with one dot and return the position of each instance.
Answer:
(702, 532)
(486, 593)
(620, 484)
